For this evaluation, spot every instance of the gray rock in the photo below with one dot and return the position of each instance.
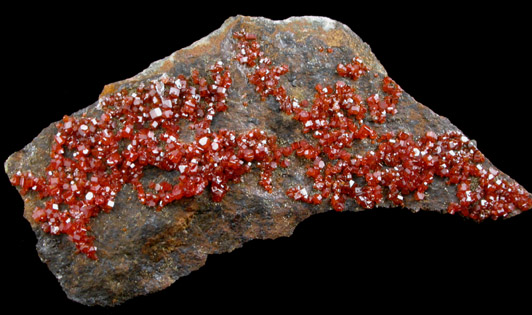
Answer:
(143, 251)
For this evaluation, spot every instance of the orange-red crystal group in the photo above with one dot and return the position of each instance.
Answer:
(92, 158)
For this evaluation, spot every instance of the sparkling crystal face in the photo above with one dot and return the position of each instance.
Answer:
(92, 158)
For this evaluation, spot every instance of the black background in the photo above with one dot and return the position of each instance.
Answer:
(469, 64)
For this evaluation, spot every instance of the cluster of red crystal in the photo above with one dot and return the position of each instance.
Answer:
(401, 166)
(248, 48)
(354, 70)
(378, 106)
(330, 118)
(92, 158)
(265, 77)
(482, 192)
(398, 167)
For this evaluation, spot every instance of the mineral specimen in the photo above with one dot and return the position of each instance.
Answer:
(240, 136)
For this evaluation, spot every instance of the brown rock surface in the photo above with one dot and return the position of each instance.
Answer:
(149, 250)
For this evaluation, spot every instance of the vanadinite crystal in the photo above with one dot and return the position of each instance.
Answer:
(162, 148)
